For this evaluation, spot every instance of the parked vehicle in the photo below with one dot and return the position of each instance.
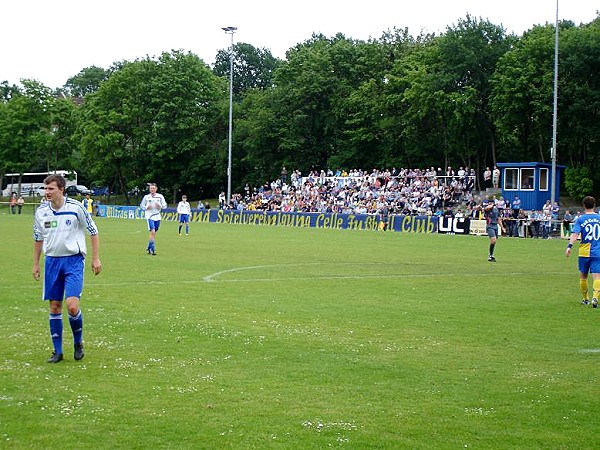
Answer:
(77, 189)
(32, 183)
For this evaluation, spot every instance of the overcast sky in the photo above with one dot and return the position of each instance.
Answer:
(52, 40)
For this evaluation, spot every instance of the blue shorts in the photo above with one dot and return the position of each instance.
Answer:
(153, 225)
(589, 265)
(63, 277)
(184, 218)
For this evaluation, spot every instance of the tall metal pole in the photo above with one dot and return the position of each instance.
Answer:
(554, 110)
(230, 30)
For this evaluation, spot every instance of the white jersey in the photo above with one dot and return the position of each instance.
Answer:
(184, 208)
(157, 202)
(63, 230)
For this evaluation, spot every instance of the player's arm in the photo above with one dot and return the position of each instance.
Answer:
(572, 239)
(96, 264)
(37, 252)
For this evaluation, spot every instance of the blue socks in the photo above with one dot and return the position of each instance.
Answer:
(77, 327)
(151, 246)
(56, 332)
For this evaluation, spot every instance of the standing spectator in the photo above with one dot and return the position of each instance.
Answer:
(13, 203)
(222, 200)
(501, 205)
(546, 225)
(496, 177)
(59, 230)
(536, 223)
(88, 203)
(284, 174)
(152, 204)
(20, 203)
(567, 221)
(547, 208)
(516, 207)
(185, 211)
(487, 178)
(492, 218)
(511, 223)
(588, 226)
(555, 211)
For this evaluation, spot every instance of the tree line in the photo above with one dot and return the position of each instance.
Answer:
(471, 96)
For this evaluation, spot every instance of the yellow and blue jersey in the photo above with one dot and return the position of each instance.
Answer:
(588, 227)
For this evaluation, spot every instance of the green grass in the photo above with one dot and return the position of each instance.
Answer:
(243, 337)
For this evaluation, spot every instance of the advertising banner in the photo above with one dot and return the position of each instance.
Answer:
(406, 224)
(454, 225)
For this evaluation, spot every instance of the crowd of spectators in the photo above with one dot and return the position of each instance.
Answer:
(395, 191)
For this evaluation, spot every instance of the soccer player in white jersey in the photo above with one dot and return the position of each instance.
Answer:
(59, 229)
(185, 211)
(152, 204)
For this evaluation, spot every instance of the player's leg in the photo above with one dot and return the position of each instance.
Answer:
(152, 227)
(56, 330)
(156, 227)
(53, 293)
(180, 224)
(73, 290)
(584, 270)
(595, 270)
(492, 233)
(187, 225)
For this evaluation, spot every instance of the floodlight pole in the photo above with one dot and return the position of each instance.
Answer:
(230, 30)
(554, 111)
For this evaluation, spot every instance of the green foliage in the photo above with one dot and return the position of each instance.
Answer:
(247, 337)
(86, 81)
(26, 129)
(579, 95)
(578, 182)
(151, 120)
(471, 96)
(253, 68)
(522, 95)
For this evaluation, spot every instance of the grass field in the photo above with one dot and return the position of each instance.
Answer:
(242, 337)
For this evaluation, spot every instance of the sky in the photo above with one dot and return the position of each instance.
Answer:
(53, 40)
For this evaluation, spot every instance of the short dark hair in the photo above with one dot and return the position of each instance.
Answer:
(56, 178)
(589, 202)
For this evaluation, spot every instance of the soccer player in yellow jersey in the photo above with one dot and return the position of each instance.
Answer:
(588, 227)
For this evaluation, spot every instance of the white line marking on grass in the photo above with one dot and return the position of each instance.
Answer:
(356, 277)
(590, 350)
(212, 277)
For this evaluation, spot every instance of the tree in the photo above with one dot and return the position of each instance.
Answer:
(440, 95)
(311, 99)
(579, 98)
(153, 120)
(521, 98)
(253, 68)
(36, 129)
(86, 81)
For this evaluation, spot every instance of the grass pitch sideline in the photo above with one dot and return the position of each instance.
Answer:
(258, 337)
